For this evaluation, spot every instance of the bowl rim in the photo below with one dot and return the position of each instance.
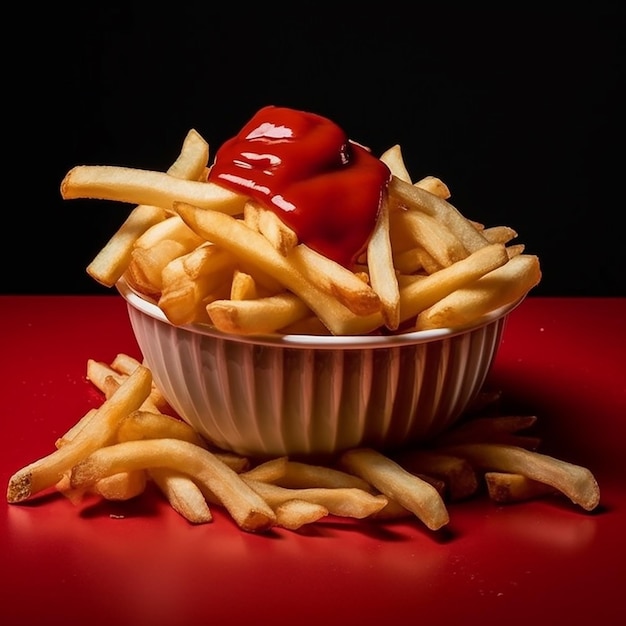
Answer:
(150, 308)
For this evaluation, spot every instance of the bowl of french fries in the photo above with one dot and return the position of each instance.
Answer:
(268, 346)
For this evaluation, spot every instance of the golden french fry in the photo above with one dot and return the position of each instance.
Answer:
(340, 501)
(515, 250)
(431, 235)
(300, 474)
(499, 234)
(398, 484)
(422, 294)
(576, 482)
(408, 261)
(434, 185)
(262, 315)
(294, 514)
(125, 364)
(191, 281)
(243, 286)
(121, 486)
(184, 496)
(505, 488)
(193, 158)
(504, 285)
(112, 260)
(381, 269)
(268, 471)
(110, 386)
(420, 199)
(142, 424)
(98, 372)
(99, 431)
(276, 231)
(172, 228)
(393, 159)
(247, 508)
(336, 280)
(137, 186)
(144, 272)
(75, 429)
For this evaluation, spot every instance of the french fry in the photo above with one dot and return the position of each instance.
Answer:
(126, 364)
(147, 424)
(381, 270)
(515, 250)
(408, 261)
(144, 272)
(191, 281)
(110, 386)
(506, 488)
(275, 230)
(98, 371)
(111, 262)
(243, 286)
(249, 511)
(504, 285)
(142, 424)
(75, 428)
(193, 158)
(575, 481)
(343, 502)
(298, 475)
(172, 228)
(420, 295)
(393, 159)
(398, 484)
(261, 315)
(268, 471)
(99, 431)
(293, 514)
(184, 496)
(431, 235)
(431, 204)
(336, 280)
(137, 186)
(121, 486)
(499, 234)
(434, 185)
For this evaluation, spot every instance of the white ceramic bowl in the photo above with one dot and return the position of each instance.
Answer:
(304, 395)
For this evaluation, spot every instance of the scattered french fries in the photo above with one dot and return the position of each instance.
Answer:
(115, 451)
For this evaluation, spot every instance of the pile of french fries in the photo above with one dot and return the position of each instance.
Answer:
(206, 254)
(133, 439)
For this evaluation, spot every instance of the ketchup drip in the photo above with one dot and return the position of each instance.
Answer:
(303, 167)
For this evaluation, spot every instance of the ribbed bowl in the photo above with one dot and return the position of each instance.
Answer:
(303, 395)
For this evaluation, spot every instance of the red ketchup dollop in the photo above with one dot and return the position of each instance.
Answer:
(303, 167)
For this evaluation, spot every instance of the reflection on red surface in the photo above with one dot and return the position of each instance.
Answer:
(139, 562)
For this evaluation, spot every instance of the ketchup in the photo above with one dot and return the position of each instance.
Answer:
(303, 167)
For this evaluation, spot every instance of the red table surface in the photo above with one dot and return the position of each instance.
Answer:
(139, 562)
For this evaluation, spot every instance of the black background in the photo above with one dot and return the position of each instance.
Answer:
(519, 111)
